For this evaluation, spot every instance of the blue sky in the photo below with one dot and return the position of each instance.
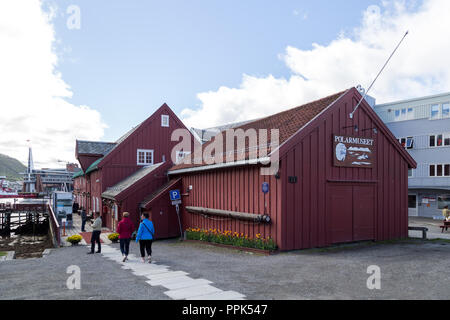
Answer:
(213, 62)
(129, 57)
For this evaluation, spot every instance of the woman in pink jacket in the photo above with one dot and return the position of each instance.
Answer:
(125, 229)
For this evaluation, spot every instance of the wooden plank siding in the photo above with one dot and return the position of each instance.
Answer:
(301, 212)
(310, 160)
(235, 189)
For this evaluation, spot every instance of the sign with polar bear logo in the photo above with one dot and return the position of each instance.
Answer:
(353, 152)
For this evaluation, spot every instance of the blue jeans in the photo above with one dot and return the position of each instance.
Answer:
(83, 223)
(125, 246)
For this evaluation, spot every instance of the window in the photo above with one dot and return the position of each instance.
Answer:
(410, 115)
(410, 173)
(446, 110)
(443, 200)
(181, 155)
(164, 120)
(432, 170)
(432, 141)
(440, 140)
(407, 143)
(434, 111)
(447, 139)
(144, 157)
(439, 170)
(412, 201)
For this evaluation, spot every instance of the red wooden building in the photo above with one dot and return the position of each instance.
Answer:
(340, 179)
(124, 164)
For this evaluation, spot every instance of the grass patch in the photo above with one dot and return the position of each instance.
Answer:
(2, 253)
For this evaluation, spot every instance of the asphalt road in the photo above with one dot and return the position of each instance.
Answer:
(409, 270)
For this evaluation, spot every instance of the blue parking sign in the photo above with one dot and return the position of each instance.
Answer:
(175, 195)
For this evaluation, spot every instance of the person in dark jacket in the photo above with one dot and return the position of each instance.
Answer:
(75, 207)
(145, 237)
(83, 219)
(125, 228)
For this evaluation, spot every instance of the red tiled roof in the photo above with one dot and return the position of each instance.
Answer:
(287, 122)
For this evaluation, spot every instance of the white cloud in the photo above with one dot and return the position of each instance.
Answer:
(33, 94)
(420, 66)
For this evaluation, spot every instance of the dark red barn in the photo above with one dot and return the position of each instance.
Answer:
(340, 179)
(117, 177)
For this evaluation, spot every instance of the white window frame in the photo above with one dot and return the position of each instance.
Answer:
(438, 116)
(412, 173)
(145, 151)
(436, 171)
(165, 120)
(442, 110)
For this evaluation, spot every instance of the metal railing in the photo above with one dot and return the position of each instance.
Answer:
(55, 228)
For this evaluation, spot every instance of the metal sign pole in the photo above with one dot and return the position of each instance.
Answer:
(179, 220)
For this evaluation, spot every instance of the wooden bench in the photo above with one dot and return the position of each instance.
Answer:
(445, 226)
(423, 229)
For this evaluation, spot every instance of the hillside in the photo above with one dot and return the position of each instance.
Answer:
(11, 168)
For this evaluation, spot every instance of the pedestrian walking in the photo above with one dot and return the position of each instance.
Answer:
(96, 231)
(83, 219)
(145, 237)
(125, 228)
(75, 207)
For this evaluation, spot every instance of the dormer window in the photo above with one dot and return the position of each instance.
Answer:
(164, 120)
(144, 157)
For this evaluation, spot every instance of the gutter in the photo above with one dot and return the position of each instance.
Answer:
(221, 165)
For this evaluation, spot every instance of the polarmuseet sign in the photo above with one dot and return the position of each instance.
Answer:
(353, 152)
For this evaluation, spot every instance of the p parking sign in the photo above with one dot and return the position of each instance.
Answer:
(175, 195)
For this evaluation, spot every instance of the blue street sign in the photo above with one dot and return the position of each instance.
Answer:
(265, 187)
(175, 195)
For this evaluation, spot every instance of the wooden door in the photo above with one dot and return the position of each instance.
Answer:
(340, 209)
(363, 213)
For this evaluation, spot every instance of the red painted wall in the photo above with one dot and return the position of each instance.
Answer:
(302, 216)
(237, 189)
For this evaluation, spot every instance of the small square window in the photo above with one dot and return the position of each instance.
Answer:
(164, 120)
(144, 157)
(410, 173)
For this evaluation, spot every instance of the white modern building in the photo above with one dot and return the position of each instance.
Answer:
(422, 126)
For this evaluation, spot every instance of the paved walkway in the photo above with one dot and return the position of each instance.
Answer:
(179, 284)
(76, 229)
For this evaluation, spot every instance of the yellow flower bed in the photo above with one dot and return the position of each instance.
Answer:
(74, 239)
(231, 238)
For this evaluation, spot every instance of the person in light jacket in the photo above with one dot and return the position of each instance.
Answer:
(125, 228)
(96, 231)
(145, 237)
